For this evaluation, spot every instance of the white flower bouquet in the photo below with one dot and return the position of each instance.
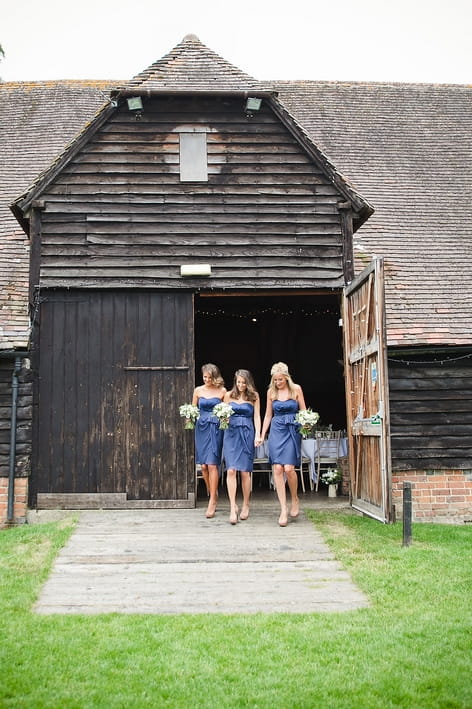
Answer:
(190, 413)
(331, 476)
(307, 420)
(223, 412)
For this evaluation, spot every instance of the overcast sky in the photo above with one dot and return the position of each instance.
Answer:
(352, 40)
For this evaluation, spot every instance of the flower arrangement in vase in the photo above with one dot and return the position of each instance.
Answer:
(331, 477)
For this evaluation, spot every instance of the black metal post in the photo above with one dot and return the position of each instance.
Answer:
(407, 509)
(11, 467)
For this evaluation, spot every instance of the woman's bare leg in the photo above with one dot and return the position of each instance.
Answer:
(206, 478)
(246, 487)
(279, 481)
(292, 479)
(213, 478)
(231, 484)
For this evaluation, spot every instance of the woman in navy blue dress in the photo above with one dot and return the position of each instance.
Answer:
(284, 400)
(239, 440)
(208, 435)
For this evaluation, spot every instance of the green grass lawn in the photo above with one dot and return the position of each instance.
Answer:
(412, 648)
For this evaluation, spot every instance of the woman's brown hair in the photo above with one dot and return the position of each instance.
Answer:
(251, 392)
(215, 374)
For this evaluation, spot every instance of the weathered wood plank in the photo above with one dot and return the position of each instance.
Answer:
(417, 419)
(276, 231)
(331, 281)
(214, 228)
(105, 501)
(97, 150)
(77, 501)
(161, 271)
(162, 205)
(148, 255)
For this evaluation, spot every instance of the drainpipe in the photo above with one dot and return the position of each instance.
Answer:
(11, 469)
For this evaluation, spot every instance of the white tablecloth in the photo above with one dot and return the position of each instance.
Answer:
(327, 450)
(263, 450)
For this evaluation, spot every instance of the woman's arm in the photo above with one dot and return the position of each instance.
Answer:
(267, 417)
(195, 397)
(257, 417)
(300, 398)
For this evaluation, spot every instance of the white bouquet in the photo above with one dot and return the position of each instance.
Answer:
(307, 420)
(190, 413)
(222, 412)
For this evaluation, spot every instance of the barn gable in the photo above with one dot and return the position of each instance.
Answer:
(116, 209)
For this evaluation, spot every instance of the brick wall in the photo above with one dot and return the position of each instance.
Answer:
(437, 495)
(20, 500)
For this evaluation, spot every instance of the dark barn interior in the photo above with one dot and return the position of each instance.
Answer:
(252, 332)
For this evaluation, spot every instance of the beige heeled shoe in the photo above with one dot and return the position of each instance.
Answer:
(283, 519)
(211, 509)
(295, 509)
(244, 513)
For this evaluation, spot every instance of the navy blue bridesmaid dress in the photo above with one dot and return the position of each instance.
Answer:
(208, 435)
(238, 445)
(285, 441)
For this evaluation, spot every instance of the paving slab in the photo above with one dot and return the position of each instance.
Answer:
(176, 561)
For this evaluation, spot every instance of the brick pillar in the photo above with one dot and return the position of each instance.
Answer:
(20, 501)
(343, 466)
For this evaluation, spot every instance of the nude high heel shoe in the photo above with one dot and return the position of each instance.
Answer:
(283, 520)
(244, 513)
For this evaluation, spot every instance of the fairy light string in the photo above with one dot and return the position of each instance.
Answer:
(441, 361)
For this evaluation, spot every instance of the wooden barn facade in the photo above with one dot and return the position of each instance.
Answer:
(197, 217)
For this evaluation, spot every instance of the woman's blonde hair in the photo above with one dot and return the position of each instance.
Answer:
(281, 368)
(251, 392)
(215, 374)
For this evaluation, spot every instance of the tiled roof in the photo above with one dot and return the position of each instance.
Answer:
(37, 119)
(191, 66)
(407, 148)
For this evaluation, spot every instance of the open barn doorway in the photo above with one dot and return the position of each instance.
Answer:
(254, 331)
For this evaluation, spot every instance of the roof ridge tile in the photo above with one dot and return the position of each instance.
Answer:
(192, 66)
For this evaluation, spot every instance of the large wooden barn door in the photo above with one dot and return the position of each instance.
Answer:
(367, 393)
(114, 368)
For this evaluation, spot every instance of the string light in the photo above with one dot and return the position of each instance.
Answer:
(257, 313)
(430, 361)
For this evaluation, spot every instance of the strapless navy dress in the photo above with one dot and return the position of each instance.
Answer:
(285, 441)
(208, 435)
(238, 444)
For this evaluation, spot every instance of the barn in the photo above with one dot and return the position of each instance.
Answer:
(195, 214)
